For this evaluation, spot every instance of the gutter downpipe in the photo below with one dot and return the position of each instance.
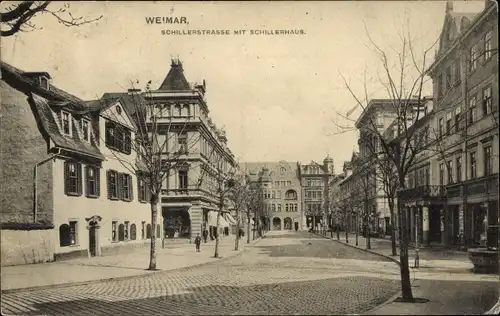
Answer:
(35, 181)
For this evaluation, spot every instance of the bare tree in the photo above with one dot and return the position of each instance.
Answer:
(157, 156)
(239, 195)
(17, 17)
(403, 85)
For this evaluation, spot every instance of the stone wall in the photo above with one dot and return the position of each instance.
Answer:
(26, 246)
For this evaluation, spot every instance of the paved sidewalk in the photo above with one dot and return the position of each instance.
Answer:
(133, 264)
(444, 278)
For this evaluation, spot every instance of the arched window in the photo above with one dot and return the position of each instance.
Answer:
(276, 223)
(64, 235)
(288, 223)
(148, 231)
(133, 232)
(282, 170)
(158, 231)
(121, 232)
(291, 195)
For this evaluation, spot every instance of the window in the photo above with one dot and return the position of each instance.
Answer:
(279, 207)
(472, 110)
(308, 182)
(427, 176)
(472, 161)
(313, 194)
(487, 46)
(183, 179)
(448, 79)
(273, 194)
(441, 127)
(487, 101)
(113, 185)
(114, 235)
(72, 178)
(273, 207)
(286, 207)
(282, 170)
(118, 138)
(85, 129)
(449, 116)
(295, 207)
(142, 190)
(441, 174)
(143, 230)
(92, 182)
(450, 171)
(126, 187)
(473, 58)
(459, 168)
(73, 232)
(487, 161)
(458, 111)
(125, 233)
(458, 71)
(309, 207)
(133, 233)
(182, 141)
(66, 123)
(276, 183)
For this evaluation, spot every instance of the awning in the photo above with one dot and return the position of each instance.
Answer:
(212, 220)
(230, 219)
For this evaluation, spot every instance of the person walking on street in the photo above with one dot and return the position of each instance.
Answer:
(205, 235)
(197, 242)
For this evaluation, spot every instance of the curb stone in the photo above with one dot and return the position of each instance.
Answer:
(129, 277)
(362, 249)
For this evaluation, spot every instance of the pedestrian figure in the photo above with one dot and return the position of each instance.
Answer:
(205, 235)
(197, 242)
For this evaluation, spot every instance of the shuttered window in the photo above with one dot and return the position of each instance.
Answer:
(120, 186)
(113, 185)
(126, 187)
(142, 189)
(118, 138)
(92, 181)
(72, 178)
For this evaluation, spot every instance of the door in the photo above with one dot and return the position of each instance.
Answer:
(92, 241)
(296, 226)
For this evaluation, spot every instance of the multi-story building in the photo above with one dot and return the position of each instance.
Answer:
(461, 165)
(315, 179)
(280, 186)
(196, 148)
(336, 213)
(66, 188)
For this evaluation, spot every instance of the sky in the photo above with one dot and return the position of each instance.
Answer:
(279, 97)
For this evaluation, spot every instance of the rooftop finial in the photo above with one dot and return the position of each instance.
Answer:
(449, 6)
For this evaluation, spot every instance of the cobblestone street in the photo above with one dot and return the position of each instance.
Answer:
(284, 273)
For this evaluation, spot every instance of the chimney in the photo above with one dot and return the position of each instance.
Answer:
(41, 78)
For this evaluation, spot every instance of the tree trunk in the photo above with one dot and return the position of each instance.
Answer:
(393, 229)
(152, 252)
(357, 228)
(254, 226)
(338, 230)
(367, 229)
(237, 241)
(403, 256)
(346, 228)
(217, 235)
(248, 229)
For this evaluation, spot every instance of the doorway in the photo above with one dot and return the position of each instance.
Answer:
(92, 241)
(296, 226)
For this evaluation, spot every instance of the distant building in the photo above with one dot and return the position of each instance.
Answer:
(280, 185)
(65, 192)
(315, 179)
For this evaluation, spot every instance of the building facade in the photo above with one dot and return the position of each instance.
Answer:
(315, 179)
(197, 153)
(460, 169)
(281, 193)
(66, 173)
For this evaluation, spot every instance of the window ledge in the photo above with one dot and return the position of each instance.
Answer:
(115, 241)
(114, 199)
(92, 196)
(72, 194)
(74, 246)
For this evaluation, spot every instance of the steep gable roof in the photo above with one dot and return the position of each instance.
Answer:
(175, 80)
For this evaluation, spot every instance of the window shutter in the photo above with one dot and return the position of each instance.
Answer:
(79, 178)
(108, 178)
(98, 181)
(107, 136)
(66, 177)
(131, 188)
(87, 180)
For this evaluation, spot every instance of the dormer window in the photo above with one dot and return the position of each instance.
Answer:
(85, 125)
(66, 122)
(44, 82)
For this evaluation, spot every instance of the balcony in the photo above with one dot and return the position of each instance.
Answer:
(425, 192)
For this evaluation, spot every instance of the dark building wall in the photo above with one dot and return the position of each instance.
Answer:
(21, 147)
